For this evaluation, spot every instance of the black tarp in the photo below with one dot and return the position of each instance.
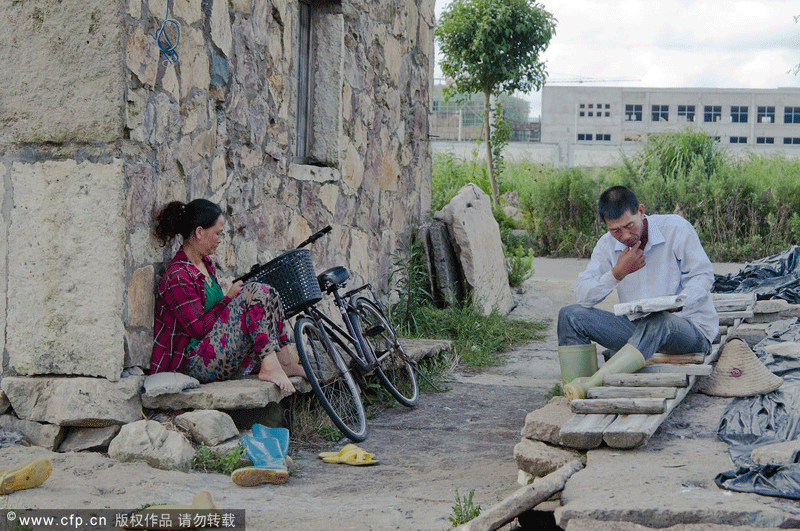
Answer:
(771, 418)
(774, 277)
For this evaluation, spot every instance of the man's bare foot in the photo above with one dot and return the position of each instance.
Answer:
(271, 371)
(288, 357)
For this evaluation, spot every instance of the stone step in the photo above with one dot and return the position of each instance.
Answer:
(252, 393)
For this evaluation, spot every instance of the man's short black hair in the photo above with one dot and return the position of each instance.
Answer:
(615, 201)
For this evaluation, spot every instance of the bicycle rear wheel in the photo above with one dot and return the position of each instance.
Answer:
(395, 370)
(331, 380)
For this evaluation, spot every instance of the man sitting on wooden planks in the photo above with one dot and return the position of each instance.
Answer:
(641, 257)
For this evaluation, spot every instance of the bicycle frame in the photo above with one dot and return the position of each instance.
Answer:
(363, 356)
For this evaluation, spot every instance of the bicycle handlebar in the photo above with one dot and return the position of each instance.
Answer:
(311, 239)
(316, 236)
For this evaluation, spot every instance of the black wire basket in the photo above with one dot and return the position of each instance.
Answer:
(293, 275)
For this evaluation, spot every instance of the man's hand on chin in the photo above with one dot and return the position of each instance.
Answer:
(629, 261)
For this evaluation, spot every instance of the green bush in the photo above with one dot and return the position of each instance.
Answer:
(743, 209)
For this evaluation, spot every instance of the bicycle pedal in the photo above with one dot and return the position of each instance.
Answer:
(374, 330)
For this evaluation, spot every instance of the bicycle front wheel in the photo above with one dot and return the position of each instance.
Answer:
(331, 380)
(395, 370)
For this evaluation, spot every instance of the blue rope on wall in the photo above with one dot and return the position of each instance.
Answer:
(164, 41)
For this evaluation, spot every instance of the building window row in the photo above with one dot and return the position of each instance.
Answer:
(599, 137)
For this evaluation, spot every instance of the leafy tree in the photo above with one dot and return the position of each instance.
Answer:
(493, 47)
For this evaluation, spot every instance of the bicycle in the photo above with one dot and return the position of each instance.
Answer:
(366, 336)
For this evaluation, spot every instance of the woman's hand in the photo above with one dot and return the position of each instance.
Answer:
(235, 288)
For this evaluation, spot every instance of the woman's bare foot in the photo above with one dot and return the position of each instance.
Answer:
(271, 371)
(288, 357)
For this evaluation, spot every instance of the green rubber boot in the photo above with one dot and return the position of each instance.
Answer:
(269, 463)
(627, 359)
(577, 361)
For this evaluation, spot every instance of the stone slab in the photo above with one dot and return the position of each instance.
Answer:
(247, 393)
(67, 62)
(65, 276)
(476, 237)
(629, 486)
(45, 435)
(545, 423)
(88, 402)
(588, 524)
(540, 459)
(82, 439)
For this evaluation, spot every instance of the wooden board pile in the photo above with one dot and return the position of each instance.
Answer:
(628, 408)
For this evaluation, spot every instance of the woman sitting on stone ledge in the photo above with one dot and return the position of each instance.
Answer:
(198, 330)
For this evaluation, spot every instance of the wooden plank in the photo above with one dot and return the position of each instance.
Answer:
(619, 406)
(631, 392)
(697, 370)
(632, 431)
(653, 379)
(742, 314)
(678, 359)
(585, 431)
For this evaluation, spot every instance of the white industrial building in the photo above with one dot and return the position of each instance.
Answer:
(590, 126)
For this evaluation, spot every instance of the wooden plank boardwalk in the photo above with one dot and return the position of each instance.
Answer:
(628, 409)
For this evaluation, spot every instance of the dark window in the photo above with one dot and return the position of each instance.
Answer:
(606, 138)
(712, 113)
(633, 113)
(660, 112)
(794, 140)
(584, 136)
(791, 115)
(582, 113)
(738, 114)
(766, 115)
(738, 140)
(765, 140)
(687, 111)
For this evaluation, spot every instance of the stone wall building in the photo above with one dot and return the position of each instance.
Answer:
(290, 114)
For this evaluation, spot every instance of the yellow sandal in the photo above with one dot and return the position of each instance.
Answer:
(349, 455)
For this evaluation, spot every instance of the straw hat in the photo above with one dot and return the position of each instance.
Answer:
(739, 372)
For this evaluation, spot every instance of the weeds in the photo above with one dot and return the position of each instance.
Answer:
(205, 461)
(555, 391)
(464, 510)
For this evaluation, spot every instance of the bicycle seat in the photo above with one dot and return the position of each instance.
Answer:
(333, 278)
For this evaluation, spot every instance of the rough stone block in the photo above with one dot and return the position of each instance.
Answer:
(67, 83)
(138, 348)
(208, 426)
(149, 441)
(476, 237)
(141, 298)
(90, 402)
(4, 402)
(539, 459)
(3, 270)
(65, 276)
(82, 439)
(45, 435)
(248, 393)
(447, 274)
(545, 423)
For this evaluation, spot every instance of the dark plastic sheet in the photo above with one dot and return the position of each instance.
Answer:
(765, 419)
(774, 277)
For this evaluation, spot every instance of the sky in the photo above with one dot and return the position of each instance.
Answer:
(674, 43)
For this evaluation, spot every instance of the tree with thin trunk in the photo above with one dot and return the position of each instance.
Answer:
(493, 47)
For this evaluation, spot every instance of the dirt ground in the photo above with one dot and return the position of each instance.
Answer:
(461, 439)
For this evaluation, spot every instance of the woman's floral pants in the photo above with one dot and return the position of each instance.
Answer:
(253, 323)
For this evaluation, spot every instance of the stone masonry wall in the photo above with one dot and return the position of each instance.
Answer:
(98, 130)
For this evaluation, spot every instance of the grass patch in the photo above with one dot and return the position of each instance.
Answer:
(205, 461)
(478, 340)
